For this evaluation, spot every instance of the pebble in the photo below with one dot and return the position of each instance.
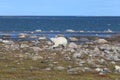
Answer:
(117, 68)
(72, 45)
(47, 69)
(59, 68)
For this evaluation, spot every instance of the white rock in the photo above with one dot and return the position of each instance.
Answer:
(113, 62)
(36, 57)
(73, 39)
(82, 31)
(116, 57)
(70, 30)
(7, 42)
(96, 49)
(15, 46)
(72, 45)
(82, 62)
(99, 69)
(36, 49)
(87, 68)
(101, 41)
(75, 70)
(109, 30)
(33, 36)
(24, 46)
(117, 68)
(42, 38)
(106, 70)
(77, 55)
(47, 69)
(60, 68)
(38, 30)
(1, 40)
(49, 42)
(105, 47)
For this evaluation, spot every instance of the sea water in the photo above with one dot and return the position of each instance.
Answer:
(90, 26)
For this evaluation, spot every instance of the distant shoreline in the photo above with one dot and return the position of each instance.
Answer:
(34, 35)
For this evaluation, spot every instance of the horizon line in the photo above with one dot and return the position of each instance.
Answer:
(56, 16)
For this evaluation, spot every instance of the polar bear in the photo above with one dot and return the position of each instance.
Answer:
(59, 41)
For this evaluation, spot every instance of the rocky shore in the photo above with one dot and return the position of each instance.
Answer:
(89, 59)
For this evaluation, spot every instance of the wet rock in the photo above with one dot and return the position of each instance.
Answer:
(82, 31)
(32, 36)
(59, 35)
(89, 43)
(70, 30)
(6, 35)
(42, 38)
(38, 30)
(72, 39)
(31, 32)
(22, 35)
(84, 39)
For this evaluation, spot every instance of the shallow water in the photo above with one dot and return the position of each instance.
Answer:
(14, 34)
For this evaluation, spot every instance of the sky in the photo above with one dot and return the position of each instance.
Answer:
(60, 7)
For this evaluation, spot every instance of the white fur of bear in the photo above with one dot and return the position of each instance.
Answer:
(59, 41)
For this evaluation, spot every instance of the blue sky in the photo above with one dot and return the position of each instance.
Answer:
(60, 7)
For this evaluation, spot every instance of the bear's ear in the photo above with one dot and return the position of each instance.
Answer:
(51, 39)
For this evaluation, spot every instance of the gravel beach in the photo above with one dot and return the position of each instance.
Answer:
(83, 58)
